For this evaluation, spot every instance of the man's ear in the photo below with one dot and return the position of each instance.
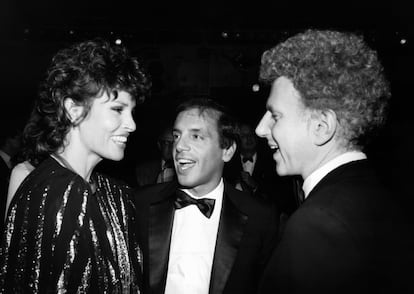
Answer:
(324, 126)
(229, 152)
(73, 110)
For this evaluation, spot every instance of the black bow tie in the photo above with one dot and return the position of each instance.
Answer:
(206, 205)
(245, 159)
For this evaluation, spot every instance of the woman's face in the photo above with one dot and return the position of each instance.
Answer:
(103, 133)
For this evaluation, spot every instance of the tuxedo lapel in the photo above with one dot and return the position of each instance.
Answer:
(230, 232)
(160, 228)
(258, 167)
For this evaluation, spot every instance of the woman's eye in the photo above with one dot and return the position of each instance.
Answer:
(117, 109)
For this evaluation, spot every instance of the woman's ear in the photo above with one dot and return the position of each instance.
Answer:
(229, 152)
(73, 110)
(324, 126)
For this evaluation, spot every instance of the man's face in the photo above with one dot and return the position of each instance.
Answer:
(165, 145)
(198, 157)
(286, 127)
(248, 139)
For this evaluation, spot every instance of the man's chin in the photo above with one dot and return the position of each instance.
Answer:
(281, 171)
(185, 182)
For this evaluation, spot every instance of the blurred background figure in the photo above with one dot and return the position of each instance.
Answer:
(252, 170)
(247, 168)
(248, 159)
(160, 169)
(10, 143)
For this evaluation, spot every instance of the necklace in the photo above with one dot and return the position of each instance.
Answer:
(66, 164)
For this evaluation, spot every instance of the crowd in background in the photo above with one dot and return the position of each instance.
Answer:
(303, 200)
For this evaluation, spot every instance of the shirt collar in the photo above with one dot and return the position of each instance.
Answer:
(215, 194)
(314, 178)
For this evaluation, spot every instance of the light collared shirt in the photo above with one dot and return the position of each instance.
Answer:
(166, 174)
(314, 178)
(193, 241)
(6, 158)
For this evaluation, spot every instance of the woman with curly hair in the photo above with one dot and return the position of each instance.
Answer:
(69, 229)
(328, 94)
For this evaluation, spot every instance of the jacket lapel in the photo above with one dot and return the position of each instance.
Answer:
(159, 235)
(230, 232)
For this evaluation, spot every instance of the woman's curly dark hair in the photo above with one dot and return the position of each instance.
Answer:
(82, 72)
(333, 70)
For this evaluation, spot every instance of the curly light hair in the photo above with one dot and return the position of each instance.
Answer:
(333, 70)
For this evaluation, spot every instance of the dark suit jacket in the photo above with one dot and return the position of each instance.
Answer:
(344, 238)
(4, 184)
(147, 172)
(246, 235)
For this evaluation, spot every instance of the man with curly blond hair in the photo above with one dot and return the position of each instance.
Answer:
(328, 95)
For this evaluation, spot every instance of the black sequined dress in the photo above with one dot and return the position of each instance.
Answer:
(60, 237)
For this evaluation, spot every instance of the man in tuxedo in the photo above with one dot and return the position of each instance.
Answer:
(250, 165)
(161, 169)
(218, 245)
(252, 171)
(328, 90)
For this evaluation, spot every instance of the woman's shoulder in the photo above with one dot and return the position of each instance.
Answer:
(22, 169)
(49, 183)
(50, 173)
(18, 174)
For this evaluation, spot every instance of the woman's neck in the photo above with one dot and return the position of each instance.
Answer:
(78, 162)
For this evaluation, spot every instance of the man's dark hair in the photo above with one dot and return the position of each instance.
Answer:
(227, 126)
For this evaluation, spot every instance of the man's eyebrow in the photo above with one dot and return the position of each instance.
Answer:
(195, 130)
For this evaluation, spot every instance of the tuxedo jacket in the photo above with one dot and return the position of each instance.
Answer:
(260, 172)
(348, 236)
(246, 236)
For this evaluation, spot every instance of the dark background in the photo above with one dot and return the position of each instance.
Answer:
(208, 48)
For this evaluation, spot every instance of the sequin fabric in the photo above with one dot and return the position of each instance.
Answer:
(60, 237)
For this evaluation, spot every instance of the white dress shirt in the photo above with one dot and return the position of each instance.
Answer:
(193, 241)
(314, 178)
